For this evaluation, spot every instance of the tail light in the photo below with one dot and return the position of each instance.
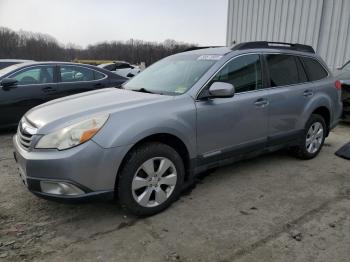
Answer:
(338, 85)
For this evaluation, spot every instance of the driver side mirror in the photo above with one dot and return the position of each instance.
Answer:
(8, 83)
(221, 90)
(130, 75)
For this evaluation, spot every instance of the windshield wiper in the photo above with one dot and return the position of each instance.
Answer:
(144, 90)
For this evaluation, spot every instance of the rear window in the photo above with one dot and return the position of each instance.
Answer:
(314, 69)
(285, 70)
(98, 75)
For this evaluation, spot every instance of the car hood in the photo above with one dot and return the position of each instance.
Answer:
(61, 112)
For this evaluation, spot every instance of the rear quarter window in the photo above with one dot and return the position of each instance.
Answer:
(314, 69)
(98, 75)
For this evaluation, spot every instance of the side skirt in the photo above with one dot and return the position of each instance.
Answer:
(232, 155)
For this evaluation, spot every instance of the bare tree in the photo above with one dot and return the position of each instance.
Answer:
(41, 47)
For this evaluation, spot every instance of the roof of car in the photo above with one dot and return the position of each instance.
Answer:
(51, 62)
(210, 50)
(261, 46)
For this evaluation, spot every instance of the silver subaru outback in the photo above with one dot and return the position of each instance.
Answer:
(196, 110)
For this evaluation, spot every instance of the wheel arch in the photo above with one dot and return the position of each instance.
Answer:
(326, 114)
(321, 105)
(166, 138)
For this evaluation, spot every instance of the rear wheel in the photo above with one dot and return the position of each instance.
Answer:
(313, 138)
(150, 179)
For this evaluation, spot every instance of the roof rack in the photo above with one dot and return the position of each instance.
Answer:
(279, 45)
(199, 47)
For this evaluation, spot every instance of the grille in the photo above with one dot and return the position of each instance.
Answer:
(25, 134)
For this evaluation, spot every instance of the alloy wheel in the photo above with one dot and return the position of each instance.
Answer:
(314, 137)
(154, 182)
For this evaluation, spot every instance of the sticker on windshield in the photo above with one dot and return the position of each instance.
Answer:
(181, 89)
(209, 57)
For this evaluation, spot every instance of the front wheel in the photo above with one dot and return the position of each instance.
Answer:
(313, 138)
(150, 179)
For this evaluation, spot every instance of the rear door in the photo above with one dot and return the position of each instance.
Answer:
(36, 85)
(288, 92)
(75, 79)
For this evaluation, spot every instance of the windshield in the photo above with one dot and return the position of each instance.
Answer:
(174, 75)
(8, 69)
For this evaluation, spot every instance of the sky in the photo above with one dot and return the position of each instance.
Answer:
(84, 22)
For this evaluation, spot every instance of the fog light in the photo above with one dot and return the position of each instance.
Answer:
(60, 188)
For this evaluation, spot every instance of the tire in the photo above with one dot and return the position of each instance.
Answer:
(142, 178)
(307, 150)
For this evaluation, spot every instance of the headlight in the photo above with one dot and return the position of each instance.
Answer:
(73, 135)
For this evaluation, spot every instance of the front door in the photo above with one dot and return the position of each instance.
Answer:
(35, 86)
(237, 124)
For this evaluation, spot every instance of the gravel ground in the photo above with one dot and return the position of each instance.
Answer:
(271, 208)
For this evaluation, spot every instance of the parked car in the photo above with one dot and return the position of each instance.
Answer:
(122, 68)
(184, 114)
(8, 62)
(26, 85)
(343, 74)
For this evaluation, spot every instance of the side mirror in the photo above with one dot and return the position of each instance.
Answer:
(8, 83)
(221, 90)
(130, 75)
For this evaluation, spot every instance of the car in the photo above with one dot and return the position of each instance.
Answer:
(25, 85)
(8, 62)
(190, 112)
(343, 74)
(122, 68)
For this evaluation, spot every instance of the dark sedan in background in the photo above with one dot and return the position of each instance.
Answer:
(25, 85)
(343, 74)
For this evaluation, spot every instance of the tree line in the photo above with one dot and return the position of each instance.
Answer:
(42, 47)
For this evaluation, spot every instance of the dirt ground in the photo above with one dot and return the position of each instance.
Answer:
(271, 208)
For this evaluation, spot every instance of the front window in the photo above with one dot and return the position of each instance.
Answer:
(34, 75)
(174, 75)
(243, 72)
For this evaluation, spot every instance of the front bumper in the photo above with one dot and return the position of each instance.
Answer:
(88, 167)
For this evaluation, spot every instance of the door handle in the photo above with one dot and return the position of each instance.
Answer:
(49, 89)
(308, 93)
(261, 102)
(99, 85)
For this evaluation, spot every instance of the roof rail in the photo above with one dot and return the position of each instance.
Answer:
(279, 45)
(199, 47)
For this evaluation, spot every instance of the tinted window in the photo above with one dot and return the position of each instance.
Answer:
(123, 66)
(314, 69)
(6, 64)
(98, 75)
(285, 70)
(110, 67)
(243, 72)
(34, 75)
(76, 74)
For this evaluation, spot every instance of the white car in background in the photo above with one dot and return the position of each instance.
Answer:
(122, 68)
